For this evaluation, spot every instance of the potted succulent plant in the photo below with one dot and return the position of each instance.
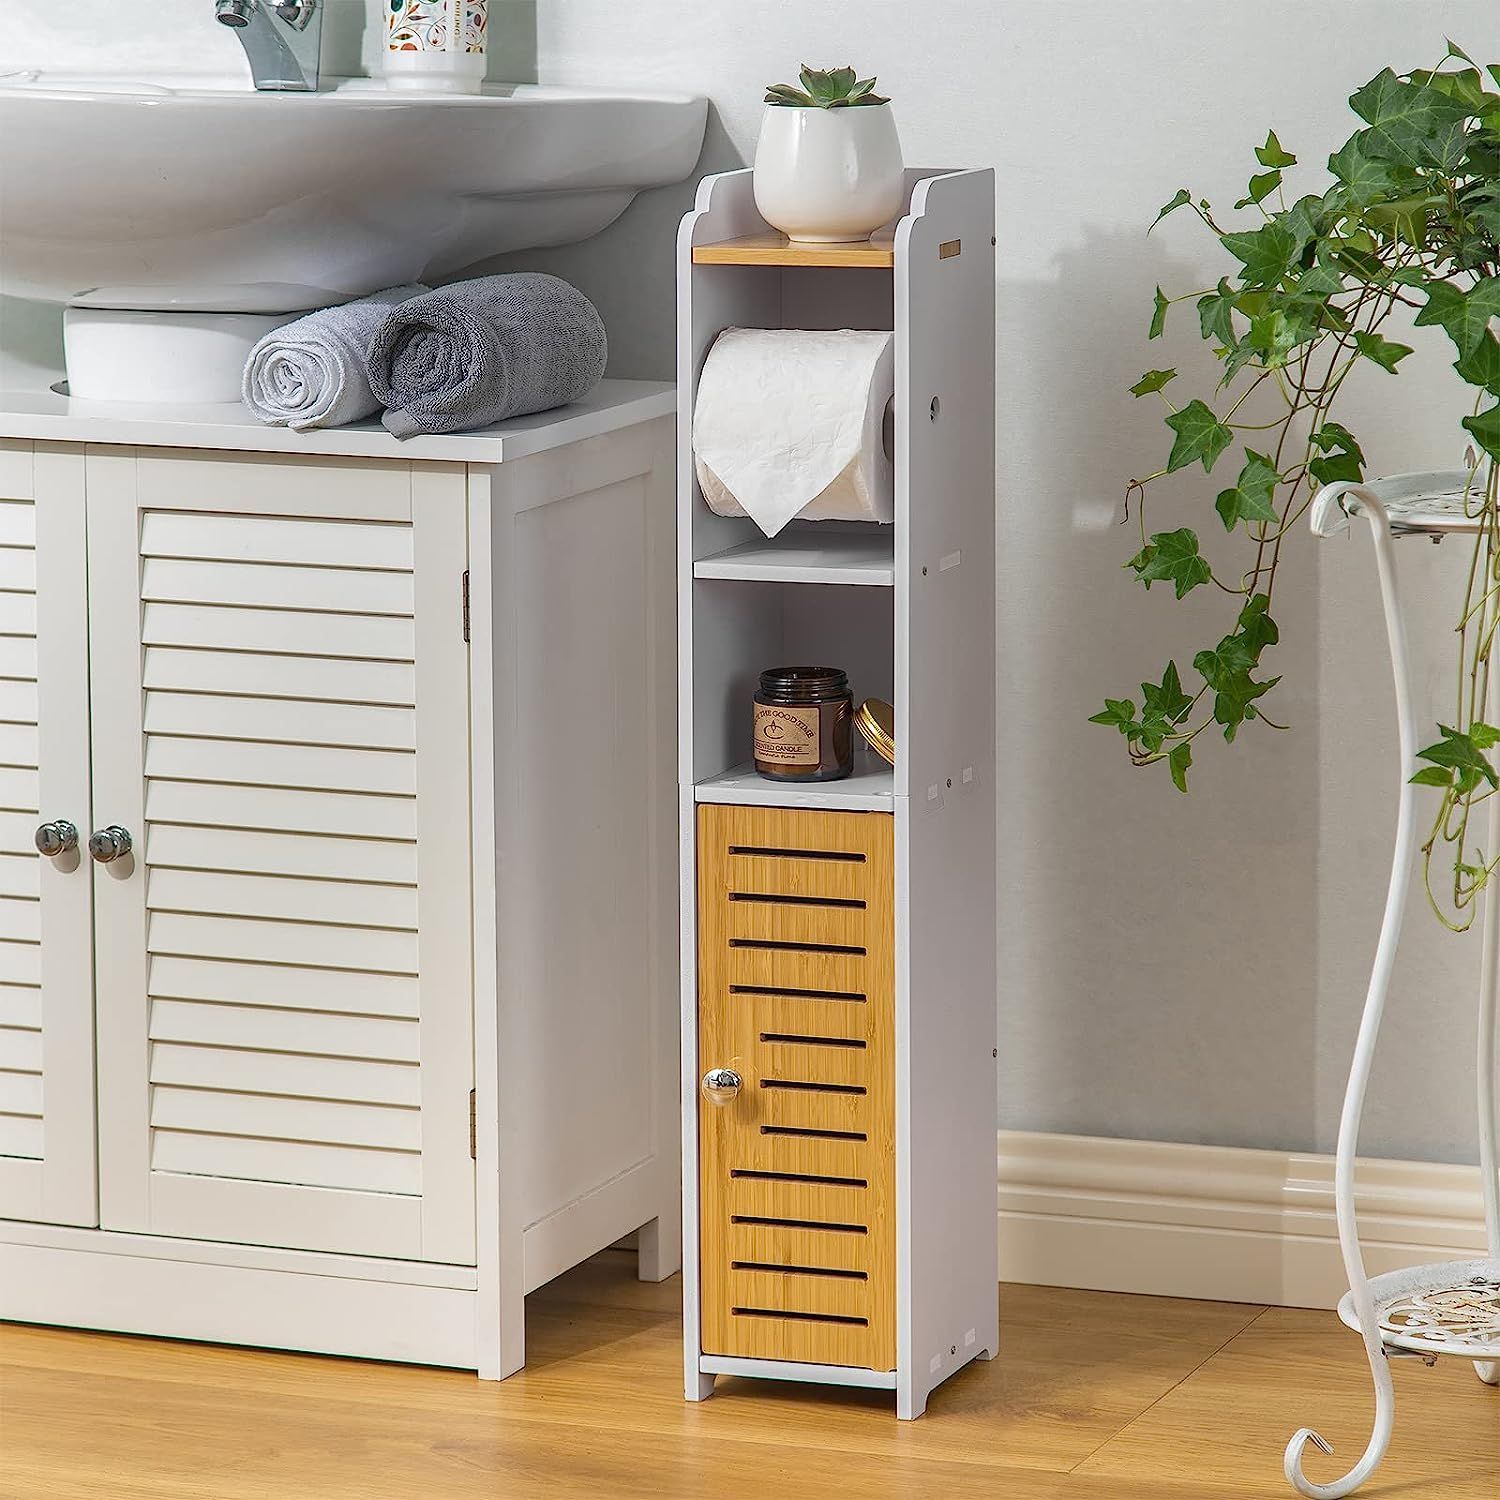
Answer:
(1406, 225)
(828, 168)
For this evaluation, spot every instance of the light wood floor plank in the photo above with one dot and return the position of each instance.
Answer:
(1094, 1397)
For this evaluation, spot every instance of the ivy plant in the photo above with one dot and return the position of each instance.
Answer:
(1410, 223)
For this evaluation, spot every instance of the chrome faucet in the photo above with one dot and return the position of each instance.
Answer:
(281, 39)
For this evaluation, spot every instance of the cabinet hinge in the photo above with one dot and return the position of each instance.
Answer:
(473, 1128)
(466, 604)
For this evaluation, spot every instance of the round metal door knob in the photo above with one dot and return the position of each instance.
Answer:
(720, 1085)
(110, 843)
(57, 837)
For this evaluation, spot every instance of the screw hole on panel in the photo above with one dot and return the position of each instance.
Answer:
(950, 781)
(924, 572)
(935, 409)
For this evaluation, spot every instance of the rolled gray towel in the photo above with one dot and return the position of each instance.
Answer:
(481, 351)
(314, 372)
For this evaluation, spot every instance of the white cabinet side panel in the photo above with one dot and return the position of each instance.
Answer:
(945, 652)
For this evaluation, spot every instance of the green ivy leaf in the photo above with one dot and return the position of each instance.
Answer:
(1363, 175)
(1250, 499)
(1481, 365)
(1463, 316)
(1458, 751)
(1172, 557)
(1486, 430)
(1343, 458)
(1179, 199)
(1383, 351)
(1178, 761)
(1152, 380)
(1273, 154)
(1262, 185)
(1165, 700)
(1266, 253)
(1159, 306)
(1214, 311)
(1119, 713)
(1403, 117)
(1432, 776)
(1200, 435)
(1256, 627)
(1484, 735)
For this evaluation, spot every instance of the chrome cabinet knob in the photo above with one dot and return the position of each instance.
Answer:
(720, 1085)
(110, 843)
(57, 837)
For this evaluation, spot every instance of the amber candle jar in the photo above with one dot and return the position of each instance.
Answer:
(803, 722)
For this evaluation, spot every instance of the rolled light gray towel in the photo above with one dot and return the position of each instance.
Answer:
(314, 372)
(481, 351)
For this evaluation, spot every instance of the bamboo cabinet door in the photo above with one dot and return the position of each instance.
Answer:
(46, 980)
(796, 994)
(280, 722)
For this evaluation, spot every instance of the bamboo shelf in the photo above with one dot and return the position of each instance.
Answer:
(774, 249)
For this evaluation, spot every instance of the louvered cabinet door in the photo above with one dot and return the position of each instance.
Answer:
(797, 1171)
(281, 723)
(46, 980)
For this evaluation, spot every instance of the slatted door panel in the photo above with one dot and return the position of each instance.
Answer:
(46, 981)
(281, 720)
(797, 1173)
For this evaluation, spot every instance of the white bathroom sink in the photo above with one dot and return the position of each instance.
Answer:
(120, 195)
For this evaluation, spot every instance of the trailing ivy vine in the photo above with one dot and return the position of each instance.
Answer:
(1411, 220)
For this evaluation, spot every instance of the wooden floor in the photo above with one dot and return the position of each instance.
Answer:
(1094, 1397)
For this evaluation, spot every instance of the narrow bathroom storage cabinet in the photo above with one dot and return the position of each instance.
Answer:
(366, 1028)
(838, 938)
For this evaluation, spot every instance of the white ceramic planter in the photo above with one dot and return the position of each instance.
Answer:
(829, 175)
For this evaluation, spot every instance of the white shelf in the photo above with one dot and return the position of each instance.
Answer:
(866, 559)
(870, 789)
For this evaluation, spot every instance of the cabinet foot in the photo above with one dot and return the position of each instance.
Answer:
(699, 1387)
(659, 1249)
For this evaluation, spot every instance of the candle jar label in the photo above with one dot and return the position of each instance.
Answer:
(786, 736)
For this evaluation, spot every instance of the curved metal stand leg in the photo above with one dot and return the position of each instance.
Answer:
(1489, 1061)
(1364, 1057)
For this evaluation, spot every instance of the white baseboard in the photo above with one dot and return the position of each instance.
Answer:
(1217, 1223)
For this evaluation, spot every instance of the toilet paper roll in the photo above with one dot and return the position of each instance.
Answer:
(793, 423)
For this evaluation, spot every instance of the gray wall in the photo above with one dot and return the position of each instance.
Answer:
(1182, 969)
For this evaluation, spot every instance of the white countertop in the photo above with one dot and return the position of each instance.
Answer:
(34, 410)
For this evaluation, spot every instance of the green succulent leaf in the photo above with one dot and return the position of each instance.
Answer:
(1152, 380)
(1172, 557)
(1200, 436)
(1250, 499)
(1273, 154)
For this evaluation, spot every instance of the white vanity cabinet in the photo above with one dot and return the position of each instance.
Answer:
(368, 1031)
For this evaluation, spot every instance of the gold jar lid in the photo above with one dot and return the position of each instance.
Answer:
(876, 722)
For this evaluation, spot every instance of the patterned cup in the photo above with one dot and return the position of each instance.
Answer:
(436, 45)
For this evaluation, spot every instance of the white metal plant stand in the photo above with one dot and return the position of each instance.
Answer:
(1451, 1309)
